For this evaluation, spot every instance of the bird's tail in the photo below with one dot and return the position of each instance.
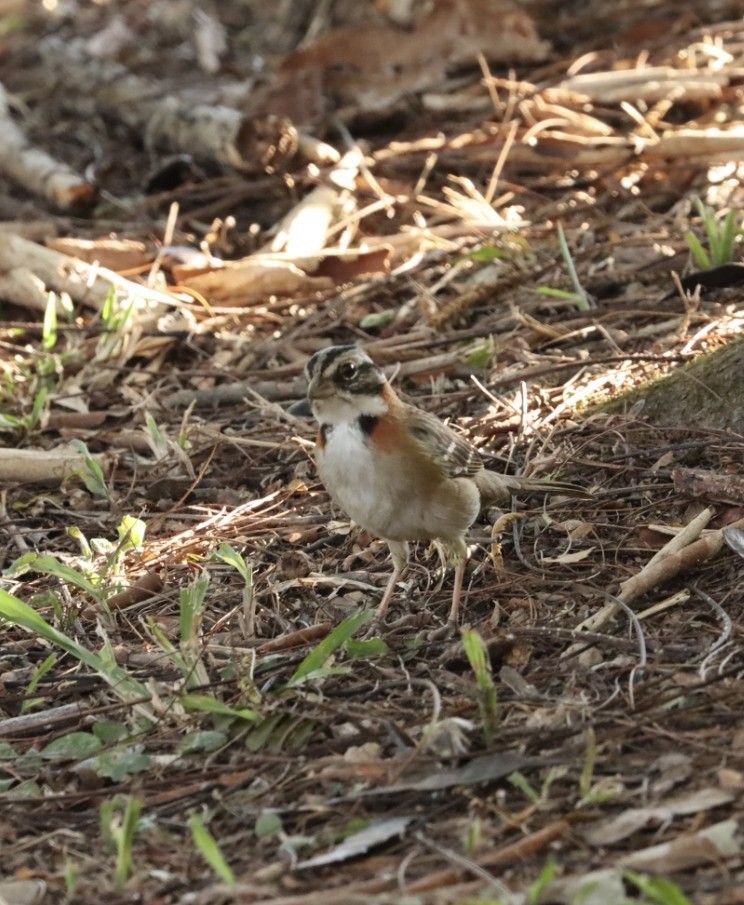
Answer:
(497, 489)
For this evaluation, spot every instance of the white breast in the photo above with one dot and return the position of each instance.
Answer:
(382, 493)
(346, 467)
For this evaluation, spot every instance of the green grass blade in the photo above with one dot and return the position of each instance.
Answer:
(728, 236)
(210, 850)
(659, 890)
(702, 260)
(19, 613)
(205, 704)
(50, 565)
(317, 657)
(49, 330)
(488, 700)
(582, 299)
(713, 235)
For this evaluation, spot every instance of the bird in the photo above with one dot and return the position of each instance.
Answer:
(398, 471)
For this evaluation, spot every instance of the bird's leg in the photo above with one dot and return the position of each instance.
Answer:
(459, 558)
(399, 552)
(454, 613)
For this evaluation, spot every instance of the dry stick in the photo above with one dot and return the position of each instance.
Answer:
(468, 865)
(688, 534)
(28, 722)
(38, 466)
(147, 586)
(84, 283)
(9, 526)
(504, 153)
(515, 851)
(35, 170)
(684, 551)
(301, 637)
(359, 892)
(649, 83)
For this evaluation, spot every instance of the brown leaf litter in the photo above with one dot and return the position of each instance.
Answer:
(411, 204)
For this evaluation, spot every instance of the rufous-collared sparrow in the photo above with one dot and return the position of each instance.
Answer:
(398, 471)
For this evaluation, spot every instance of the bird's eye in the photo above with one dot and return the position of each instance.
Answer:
(347, 370)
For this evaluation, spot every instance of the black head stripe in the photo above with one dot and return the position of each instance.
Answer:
(321, 360)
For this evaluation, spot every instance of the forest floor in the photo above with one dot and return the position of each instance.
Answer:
(192, 706)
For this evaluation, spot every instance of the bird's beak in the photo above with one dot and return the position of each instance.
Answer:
(301, 409)
(320, 388)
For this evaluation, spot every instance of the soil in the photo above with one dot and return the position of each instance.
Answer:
(612, 747)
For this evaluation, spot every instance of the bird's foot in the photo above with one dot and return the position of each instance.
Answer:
(378, 628)
(450, 629)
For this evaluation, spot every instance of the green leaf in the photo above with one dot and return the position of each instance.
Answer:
(49, 565)
(326, 671)
(85, 548)
(231, 557)
(367, 648)
(262, 735)
(210, 850)
(376, 320)
(729, 232)
(659, 890)
(29, 788)
(10, 422)
(482, 354)
(520, 781)
(109, 731)
(40, 672)
(118, 764)
(318, 657)
(75, 746)
(205, 704)
(38, 407)
(192, 607)
(7, 752)
(486, 253)
(91, 474)
(202, 740)
(119, 824)
(131, 533)
(158, 442)
(477, 655)
(267, 825)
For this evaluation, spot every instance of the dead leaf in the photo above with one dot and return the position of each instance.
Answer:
(251, 281)
(488, 768)
(370, 67)
(634, 819)
(598, 887)
(711, 845)
(378, 832)
(22, 892)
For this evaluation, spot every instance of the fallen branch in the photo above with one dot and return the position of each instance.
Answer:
(29, 271)
(685, 551)
(39, 466)
(34, 169)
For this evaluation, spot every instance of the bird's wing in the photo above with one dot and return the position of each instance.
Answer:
(438, 443)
